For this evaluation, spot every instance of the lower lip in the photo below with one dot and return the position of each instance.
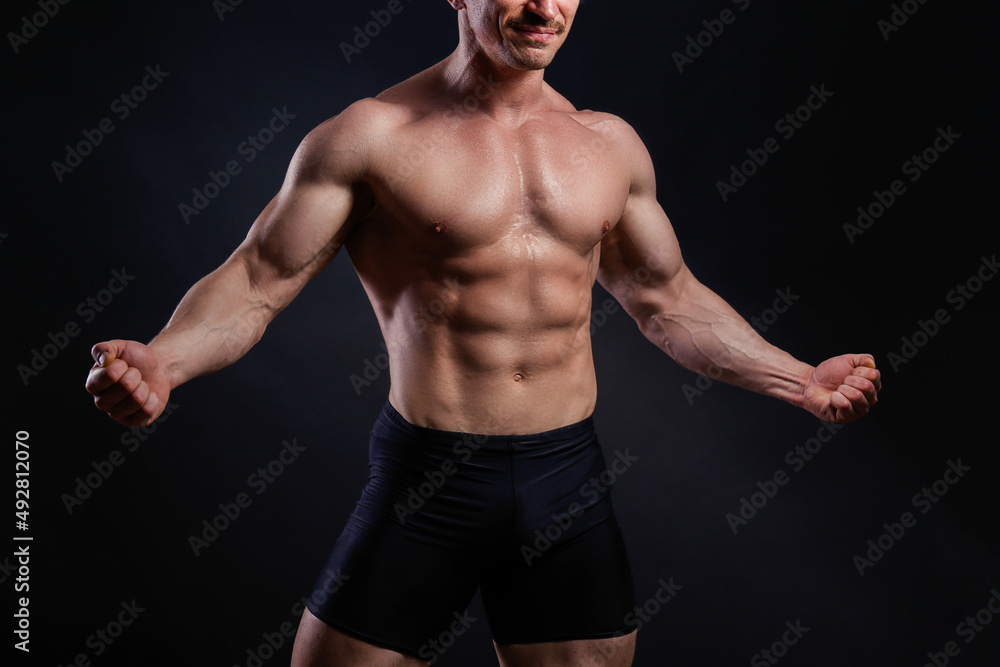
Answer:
(538, 36)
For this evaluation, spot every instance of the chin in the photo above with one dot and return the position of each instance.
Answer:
(532, 59)
(532, 65)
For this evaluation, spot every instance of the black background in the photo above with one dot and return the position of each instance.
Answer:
(118, 210)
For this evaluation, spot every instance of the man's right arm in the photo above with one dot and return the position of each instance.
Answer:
(225, 313)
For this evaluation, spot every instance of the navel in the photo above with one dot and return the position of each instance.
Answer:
(518, 377)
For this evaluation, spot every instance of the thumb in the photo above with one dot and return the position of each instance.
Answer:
(864, 360)
(106, 352)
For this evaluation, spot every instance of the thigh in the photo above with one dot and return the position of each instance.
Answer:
(319, 645)
(409, 559)
(392, 591)
(576, 589)
(609, 652)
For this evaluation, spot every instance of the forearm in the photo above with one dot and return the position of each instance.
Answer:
(703, 333)
(219, 319)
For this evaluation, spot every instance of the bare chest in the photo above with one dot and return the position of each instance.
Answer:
(468, 184)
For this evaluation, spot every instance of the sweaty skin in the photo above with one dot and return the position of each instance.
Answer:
(479, 255)
(478, 207)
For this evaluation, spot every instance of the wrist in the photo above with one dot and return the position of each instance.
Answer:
(167, 362)
(792, 381)
(804, 379)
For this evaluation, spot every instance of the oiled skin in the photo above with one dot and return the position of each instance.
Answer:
(478, 207)
(479, 257)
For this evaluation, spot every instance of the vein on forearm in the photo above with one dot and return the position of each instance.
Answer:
(698, 337)
(705, 335)
(217, 322)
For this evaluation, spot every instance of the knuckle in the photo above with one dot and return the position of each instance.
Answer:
(853, 394)
(103, 403)
(113, 372)
(130, 380)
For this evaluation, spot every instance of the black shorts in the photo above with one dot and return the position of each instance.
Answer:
(524, 517)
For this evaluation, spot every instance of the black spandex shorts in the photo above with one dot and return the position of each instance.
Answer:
(524, 517)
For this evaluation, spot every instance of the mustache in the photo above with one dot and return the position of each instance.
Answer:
(536, 22)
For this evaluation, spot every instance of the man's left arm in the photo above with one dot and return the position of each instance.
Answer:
(642, 267)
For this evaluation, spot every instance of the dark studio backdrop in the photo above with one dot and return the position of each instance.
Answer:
(751, 527)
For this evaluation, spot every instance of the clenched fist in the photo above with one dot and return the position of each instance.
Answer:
(128, 382)
(843, 389)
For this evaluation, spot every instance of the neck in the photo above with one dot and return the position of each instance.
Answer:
(505, 93)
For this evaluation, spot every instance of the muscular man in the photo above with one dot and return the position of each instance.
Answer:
(478, 207)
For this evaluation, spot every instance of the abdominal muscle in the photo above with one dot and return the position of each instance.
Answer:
(492, 338)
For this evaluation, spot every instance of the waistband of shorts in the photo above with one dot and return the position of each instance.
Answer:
(391, 417)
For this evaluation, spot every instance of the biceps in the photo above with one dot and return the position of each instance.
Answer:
(295, 237)
(641, 260)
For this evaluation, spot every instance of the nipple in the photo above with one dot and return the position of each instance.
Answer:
(605, 227)
(440, 227)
